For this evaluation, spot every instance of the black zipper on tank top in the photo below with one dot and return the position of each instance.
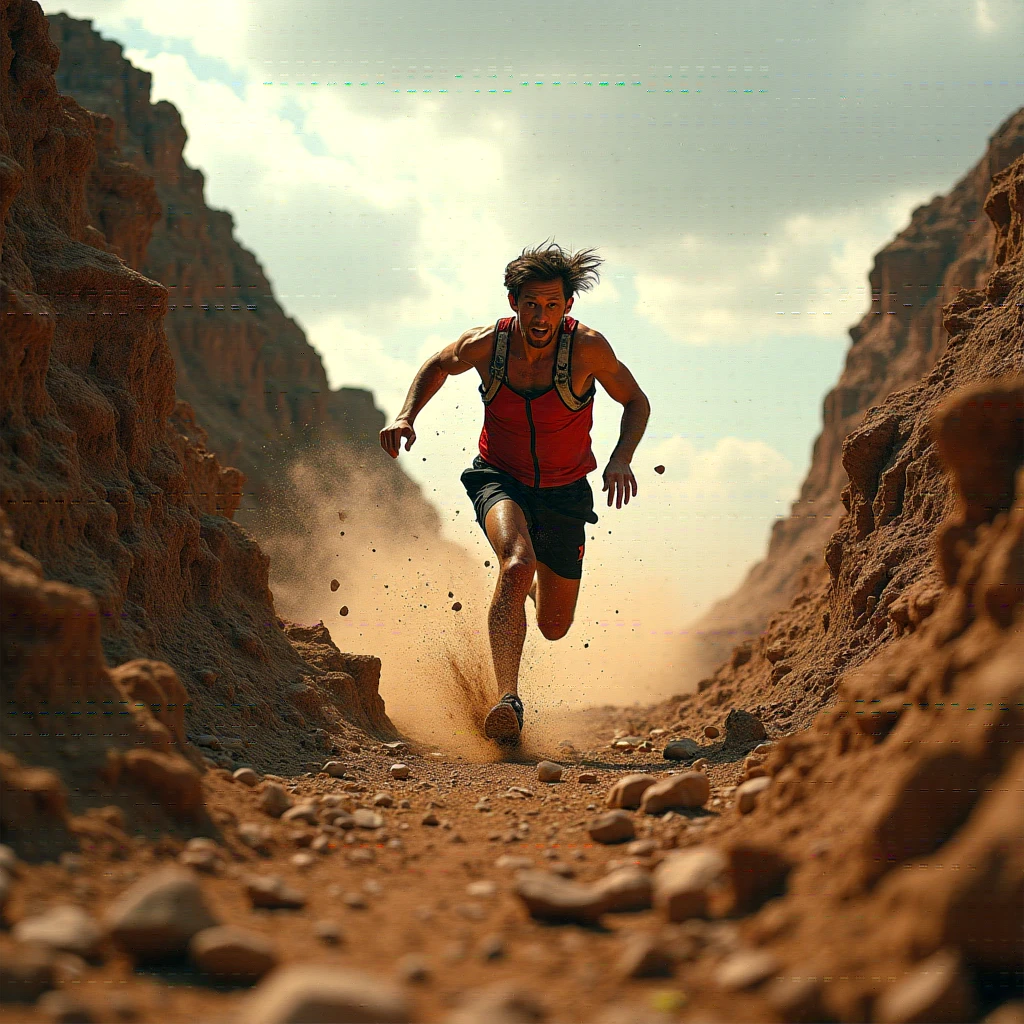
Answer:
(533, 443)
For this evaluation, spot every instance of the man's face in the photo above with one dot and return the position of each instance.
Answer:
(541, 307)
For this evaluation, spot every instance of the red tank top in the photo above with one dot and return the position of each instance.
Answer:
(541, 438)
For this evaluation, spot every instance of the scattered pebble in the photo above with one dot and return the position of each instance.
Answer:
(413, 968)
(232, 954)
(336, 769)
(400, 771)
(643, 956)
(628, 790)
(483, 888)
(712, 732)
(383, 800)
(64, 927)
(681, 749)
(936, 990)
(272, 892)
(746, 969)
(743, 729)
(550, 898)
(363, 817)
(274, 800)
(301, 812)
(626, 889)
(682, 881)
(311, 993)
(691, 789)
(303, 861)
(430, 818)
(747, 793)
(246, 776)
(549, 771)
(328, 932)
(613, 827)
(587, 778)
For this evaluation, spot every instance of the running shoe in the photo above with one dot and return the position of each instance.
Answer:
(504, 722)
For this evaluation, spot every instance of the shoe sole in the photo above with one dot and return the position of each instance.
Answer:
(501, 724)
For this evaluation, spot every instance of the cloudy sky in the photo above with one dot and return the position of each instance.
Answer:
(737, 165)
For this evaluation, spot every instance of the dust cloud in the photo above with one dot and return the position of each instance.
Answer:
(399, 583)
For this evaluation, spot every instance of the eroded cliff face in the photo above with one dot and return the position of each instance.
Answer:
(257, 386)
(948, 245)
(106, 484)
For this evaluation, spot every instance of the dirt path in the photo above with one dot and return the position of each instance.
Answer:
(427, 899)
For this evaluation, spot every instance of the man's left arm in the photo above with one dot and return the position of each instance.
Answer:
(615, 378)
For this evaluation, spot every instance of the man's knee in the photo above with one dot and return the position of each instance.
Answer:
(518, 568)
(554, 630)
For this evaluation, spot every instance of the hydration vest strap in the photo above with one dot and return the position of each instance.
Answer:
(563, 382)
(502, 332)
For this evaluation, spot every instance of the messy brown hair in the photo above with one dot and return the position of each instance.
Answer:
(550, 262)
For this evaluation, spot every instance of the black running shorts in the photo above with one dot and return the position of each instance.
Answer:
(555, 516)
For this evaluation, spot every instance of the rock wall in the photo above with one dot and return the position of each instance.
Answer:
(257, 386)
(947, 246)
(106, 484)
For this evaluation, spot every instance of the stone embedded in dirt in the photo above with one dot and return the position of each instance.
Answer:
(232, 954)
(644, 956)
(626, 889)
(383, 800)
(613, 827)
(413, 968)
(400, 771)
(26, 972)
(681, 749)
(274, 800)
(711, 732)
(587, 778)
(510, 862)
(334, 768)
(303, 861)
(355, 901)
(642, 848)
(683, 879)
(626, 793)
(626, 742)
(492, 947)
(396, 746)
(64, 927)
(936, 991)
(549, 771)
(255, 835)
(743, 729)
(519, 792)
(328, 932)
(483, 888)
(246, 776)
(501, 1003)
(363, 817)
(310, 994)
(700, 765)
(301, 812)
(334, 585)
(748, 793)
(430, 818)
(273, 893)
(158, 915)
(550, 898)
(745, 969)
(691, 789)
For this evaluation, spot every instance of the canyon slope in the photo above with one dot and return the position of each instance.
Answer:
(946, 246)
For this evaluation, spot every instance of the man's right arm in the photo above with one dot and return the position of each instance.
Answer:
(454, 359)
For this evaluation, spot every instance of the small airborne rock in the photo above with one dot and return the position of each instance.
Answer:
(324, 993)
(272, 893)
(682, 881)
(550, 898)
(274, 800)
(343, 610)
(659, 469)
(334, 585)
(232, 954)
(613, 827)
(158, 915)
(246, 776)
(628, 790)
(548, 771)
(399, 771)
(747, 793)
(712, 732)
(65, 927)
(691, 789)
(681, 749)
(457, 607)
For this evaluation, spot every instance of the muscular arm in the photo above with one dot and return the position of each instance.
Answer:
(615, 378)
(454, 359)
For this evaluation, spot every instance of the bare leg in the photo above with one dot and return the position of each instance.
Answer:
(556, 602)
(506, 620)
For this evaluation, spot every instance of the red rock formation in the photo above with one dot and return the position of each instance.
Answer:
(946, 246)
(258, 387)
(104, 484)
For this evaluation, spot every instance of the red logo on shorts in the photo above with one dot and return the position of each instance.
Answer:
(580, 559)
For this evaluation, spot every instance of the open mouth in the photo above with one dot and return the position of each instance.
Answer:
(539, 332)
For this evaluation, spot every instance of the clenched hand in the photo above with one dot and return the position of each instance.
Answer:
(618, 482)
(391, 437)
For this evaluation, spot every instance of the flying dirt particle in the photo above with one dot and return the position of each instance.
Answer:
(586, 645)
(344, 610)
(341, 517)
(450, 594)
(343, 533)
(659, 469)
(374, 550)
(457, 607)
(487, 565)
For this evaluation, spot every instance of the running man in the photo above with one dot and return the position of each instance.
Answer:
(529, 483)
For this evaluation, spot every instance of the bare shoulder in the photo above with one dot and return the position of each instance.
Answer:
(473, 349)
(592, 350)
